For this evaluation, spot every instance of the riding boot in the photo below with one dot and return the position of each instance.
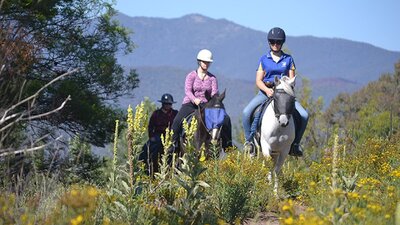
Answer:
(226, 133)
(249, 146)
(295, 149)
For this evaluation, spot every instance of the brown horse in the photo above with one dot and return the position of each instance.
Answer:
(213, 126)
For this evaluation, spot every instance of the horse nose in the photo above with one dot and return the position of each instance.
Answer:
(283, 120)
(215, 134)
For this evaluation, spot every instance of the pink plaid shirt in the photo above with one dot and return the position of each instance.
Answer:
(198, 88)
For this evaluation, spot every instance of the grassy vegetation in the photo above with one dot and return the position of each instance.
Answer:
(347, 184)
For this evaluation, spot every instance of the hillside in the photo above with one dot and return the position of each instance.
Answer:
(166, 49)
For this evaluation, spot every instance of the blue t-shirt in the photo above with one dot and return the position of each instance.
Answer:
(273, 68)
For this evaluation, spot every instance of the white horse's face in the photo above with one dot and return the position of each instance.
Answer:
(284, 100)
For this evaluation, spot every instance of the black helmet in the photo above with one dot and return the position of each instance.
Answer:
(277, 33)
(167, 98)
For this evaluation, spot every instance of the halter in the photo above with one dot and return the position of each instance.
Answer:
(284, 95)
(213, 118)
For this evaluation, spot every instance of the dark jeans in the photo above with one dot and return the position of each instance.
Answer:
(186, 109)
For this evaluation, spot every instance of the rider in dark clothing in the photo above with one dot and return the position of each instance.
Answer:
(160, 120)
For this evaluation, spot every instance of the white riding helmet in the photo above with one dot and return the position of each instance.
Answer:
(205, 55)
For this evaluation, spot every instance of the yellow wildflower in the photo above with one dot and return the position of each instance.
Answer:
(77, 220)
(286, 208)
(289, 221)
(92, 192)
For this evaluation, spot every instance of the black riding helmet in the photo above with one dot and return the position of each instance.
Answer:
(277, 33)
(167, 99)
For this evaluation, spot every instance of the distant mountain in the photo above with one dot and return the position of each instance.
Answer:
(166, 51)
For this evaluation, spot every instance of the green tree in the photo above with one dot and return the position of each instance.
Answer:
(373, 111)
(43, 39)
(314, 136)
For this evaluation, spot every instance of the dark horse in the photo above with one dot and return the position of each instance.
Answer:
(213, 126)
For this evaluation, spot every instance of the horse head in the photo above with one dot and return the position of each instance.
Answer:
(284, 99)
(213, 115)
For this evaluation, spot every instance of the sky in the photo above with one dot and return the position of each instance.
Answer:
(376, 22)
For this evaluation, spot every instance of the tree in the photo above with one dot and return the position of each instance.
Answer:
(315, 136)
(373, 111)
(43, 39)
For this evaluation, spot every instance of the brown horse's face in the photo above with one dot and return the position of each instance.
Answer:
(212, 115)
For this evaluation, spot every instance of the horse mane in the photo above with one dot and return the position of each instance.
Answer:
(284, 84)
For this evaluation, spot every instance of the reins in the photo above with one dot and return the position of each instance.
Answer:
(201, 118)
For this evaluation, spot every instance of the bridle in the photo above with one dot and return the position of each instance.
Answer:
(280, 96)
(219, 111)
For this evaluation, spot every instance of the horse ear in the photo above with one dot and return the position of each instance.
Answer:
(293, 81)
(222, 96)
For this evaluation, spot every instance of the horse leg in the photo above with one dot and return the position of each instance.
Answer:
(272, 174)
(280, 159)
(266, 148)
(273, 179)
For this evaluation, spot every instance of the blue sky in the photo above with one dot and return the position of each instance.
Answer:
(370, 21)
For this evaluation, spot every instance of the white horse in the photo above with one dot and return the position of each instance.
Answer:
(277, 126)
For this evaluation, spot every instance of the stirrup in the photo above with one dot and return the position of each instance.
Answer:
(250, 148)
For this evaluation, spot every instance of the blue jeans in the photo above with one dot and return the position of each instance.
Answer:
(301, 118)
(248, 110)
(301, 123)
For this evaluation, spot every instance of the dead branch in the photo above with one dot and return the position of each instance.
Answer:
(10, 151)
(33, 97)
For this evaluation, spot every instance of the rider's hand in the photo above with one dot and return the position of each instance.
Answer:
(197, 101)
(269, 92)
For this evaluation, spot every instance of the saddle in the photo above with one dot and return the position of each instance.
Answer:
(259, 109)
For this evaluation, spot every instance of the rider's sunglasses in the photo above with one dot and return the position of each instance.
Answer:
(278, 42)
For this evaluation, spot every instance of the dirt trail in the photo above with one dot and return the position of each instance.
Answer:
(266, 218)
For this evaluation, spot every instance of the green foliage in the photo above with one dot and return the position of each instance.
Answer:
(352, 183)
(190, 206)
(371, 112)
(82, 166)
(238, 189)
(64, 35)
(314, 137)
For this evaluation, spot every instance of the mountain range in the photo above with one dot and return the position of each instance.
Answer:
(166, 51)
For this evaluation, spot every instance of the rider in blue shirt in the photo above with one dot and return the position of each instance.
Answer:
(271, 68)
(274, 63)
